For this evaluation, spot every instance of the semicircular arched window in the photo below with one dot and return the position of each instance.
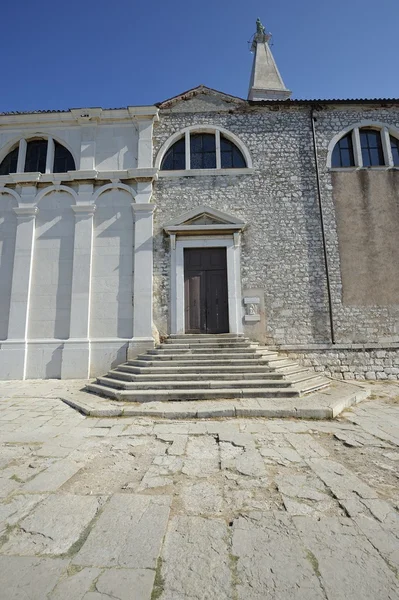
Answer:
(38, 155)
(207, 150)
(367, 147)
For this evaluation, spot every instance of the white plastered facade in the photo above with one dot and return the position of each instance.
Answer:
(76, 247)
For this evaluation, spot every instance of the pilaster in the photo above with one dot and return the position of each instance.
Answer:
(142, 278)
(76, 357)
(14, 350)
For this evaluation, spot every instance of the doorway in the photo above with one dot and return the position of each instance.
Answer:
(205, 290)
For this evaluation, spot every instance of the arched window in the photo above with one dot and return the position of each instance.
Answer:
(9, 164)
(175, 158)
(38, 155)
(369, 145)
(342, 155)
(395, 150)
(208, 150)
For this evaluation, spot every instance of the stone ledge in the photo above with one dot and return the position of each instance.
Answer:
(326, 404)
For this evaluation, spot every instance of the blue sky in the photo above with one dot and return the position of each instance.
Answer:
(59, 55)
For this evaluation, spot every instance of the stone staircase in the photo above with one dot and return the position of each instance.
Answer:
(207, 367)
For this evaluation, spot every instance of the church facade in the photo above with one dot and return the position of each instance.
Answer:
(206, 213)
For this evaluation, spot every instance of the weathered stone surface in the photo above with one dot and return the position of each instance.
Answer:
(344, 560)
(93, 584)
(128, 533)
(306, 446)
(340, 480)
(53, 526)
(202, 457)
(306, 494)
(196, 562)
(74, 585)
(202, 498)
(32, 578)
(250, 463)
(271, 562)
(53, 477)
(17, 508)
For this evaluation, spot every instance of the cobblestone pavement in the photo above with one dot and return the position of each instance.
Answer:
(139, 509)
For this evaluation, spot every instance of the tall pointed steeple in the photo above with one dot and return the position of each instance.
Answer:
(266, 82)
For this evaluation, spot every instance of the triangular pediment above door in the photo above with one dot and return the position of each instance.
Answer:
(204, 217)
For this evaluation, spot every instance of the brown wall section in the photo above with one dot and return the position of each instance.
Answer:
(367, 212)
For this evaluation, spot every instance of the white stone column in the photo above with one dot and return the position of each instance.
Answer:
(142, 279)
(76, 356)
(14, 350)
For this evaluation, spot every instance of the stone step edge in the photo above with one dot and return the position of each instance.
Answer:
(227, 369)
(205, 384)
(124, 375)
(189, 356)
(299, 408)
(239, 362)
(184, 395)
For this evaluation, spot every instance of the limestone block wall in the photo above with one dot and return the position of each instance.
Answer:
(281, 247)
(352, 363)
(282, 252)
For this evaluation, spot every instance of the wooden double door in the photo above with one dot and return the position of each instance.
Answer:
(205, 290)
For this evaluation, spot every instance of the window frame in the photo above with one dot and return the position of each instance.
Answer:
(188, 171)
(386, 132)
(22, 145)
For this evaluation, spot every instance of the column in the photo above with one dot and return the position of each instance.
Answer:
(142, 279)
(76, 356)
(14, 349)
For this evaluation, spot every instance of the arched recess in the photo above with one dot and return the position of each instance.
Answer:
(386, 131)
(112, 186)
(8, 229)
(56, 188)
(111, 310)
(51, 288)
(203, 129)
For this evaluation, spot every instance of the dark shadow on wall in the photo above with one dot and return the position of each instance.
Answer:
(8, 230)
(54, 365)
(113, 222)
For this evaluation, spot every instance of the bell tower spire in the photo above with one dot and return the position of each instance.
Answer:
(266, 82)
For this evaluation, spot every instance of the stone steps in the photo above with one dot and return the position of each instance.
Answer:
(143, 376)
(207, 368)
(178, 395)
(192, 384)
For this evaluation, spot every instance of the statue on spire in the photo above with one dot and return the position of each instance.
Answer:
(260, 30)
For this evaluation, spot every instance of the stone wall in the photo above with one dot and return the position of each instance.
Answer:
(282, 251)
(353, 323)
(351, 363)
(281, 246)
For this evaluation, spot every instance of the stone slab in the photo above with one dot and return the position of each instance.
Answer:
(196, 562)
(32, 578)
(271, 562)
(92, 583)
(128, 533)
(54, 526)
(344, 560)
(53, 477)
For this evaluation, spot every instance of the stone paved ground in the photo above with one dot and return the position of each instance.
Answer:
(138, 509)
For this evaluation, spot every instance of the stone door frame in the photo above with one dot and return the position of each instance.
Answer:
(233, 256)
